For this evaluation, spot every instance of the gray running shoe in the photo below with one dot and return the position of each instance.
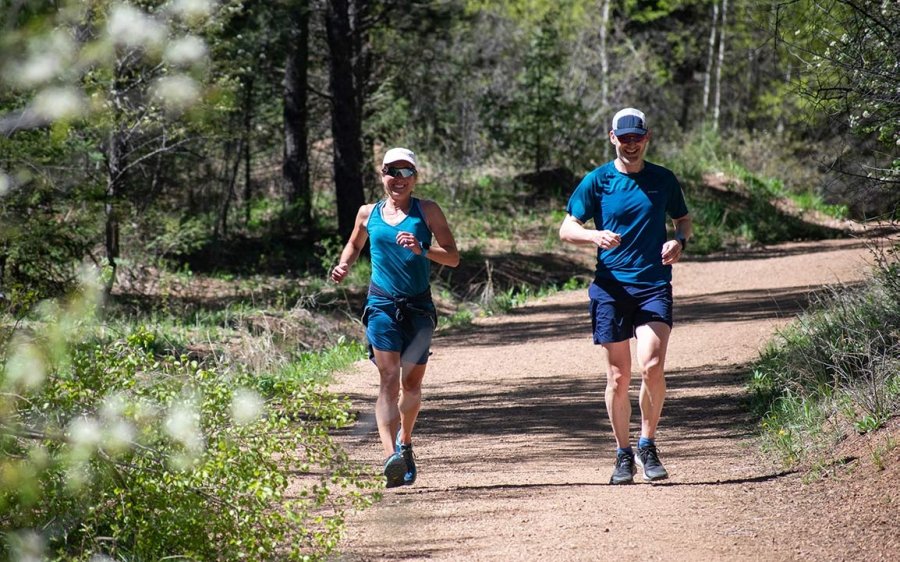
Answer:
(648, 459)
(624, 471)
(394, 470)
(410, 476)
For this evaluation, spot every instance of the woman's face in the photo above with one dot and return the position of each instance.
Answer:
(396, 186)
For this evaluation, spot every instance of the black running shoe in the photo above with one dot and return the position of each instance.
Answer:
(648, 459)
(407, 452)
(624, 471)
(394, 470)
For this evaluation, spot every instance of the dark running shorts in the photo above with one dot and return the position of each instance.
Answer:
(412, 339)
(617, 308)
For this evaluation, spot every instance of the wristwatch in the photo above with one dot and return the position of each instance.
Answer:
(424, 248)
(683, 241)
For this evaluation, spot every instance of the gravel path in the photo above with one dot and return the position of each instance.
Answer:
(515, 450)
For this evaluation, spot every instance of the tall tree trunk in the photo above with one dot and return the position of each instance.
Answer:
(248, 179)
(538, 145)
(709, 58)
(232, 180)
(296, 115)
(114, 167)
(4, 248)
(604, 71)
(248, 132)
(346, 69)
(604, 58)
(780, 124)
(717, 107)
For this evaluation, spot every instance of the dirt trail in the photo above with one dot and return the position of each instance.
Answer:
(515, 450)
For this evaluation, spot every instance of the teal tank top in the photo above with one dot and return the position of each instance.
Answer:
(395, 269)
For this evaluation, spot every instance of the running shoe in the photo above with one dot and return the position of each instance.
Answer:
(624, 471)
(397, 442)
(648, 459)
(395, 470)
(406, 451)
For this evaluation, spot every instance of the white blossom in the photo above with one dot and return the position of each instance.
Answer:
(183, 425)
(112, 407)
(25, 367)
(77, 476)
(27, 546)
(185, 51)
(46, 58)
(176, 93)
(191, 9)
(119, 436)
(131, 27)
(58, 103)
(84, 433)
(246, 406)
(37, 70)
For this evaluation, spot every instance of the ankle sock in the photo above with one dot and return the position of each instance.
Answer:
(627, 449)
(644, 441)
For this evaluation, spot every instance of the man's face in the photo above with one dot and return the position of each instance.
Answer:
(630, 148)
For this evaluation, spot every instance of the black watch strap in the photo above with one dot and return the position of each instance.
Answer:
(683, 241)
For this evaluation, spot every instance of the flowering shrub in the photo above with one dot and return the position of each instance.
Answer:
(111, 447)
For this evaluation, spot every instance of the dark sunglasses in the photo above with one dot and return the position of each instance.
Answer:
(399, 172)
(631, 138)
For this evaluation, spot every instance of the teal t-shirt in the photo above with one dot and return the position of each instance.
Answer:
(397, 270)
(634, 206)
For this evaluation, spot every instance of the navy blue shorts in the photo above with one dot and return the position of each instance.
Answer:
(412, 338)
(617, 308)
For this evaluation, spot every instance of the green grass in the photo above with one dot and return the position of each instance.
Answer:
(833, 371)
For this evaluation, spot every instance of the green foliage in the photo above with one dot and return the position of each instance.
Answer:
(526, 119)
(460, 318)
(113, 446)
(569, 15)
(732, 205)
(515, 297)
(846, 68)
(42, 237)
(837, 361)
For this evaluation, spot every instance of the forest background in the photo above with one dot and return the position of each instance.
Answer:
(176, 177)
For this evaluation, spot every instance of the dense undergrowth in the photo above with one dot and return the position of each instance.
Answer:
(114, 444)
(835, 371)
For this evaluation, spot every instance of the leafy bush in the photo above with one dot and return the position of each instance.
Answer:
(837, 368)
(733, 198)
(110, 446)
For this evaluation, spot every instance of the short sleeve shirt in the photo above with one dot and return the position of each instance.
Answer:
(634, 206)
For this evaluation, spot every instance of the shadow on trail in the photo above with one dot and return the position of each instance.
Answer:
(663, 484)
(863, 240)
(755, 304)
(720, 482)
(531, 416)
(563, 419)
(520, 327)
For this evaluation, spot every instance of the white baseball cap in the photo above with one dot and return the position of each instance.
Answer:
(629, 120)
(399, 154)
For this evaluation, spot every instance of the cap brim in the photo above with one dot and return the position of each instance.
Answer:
(630, 131)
